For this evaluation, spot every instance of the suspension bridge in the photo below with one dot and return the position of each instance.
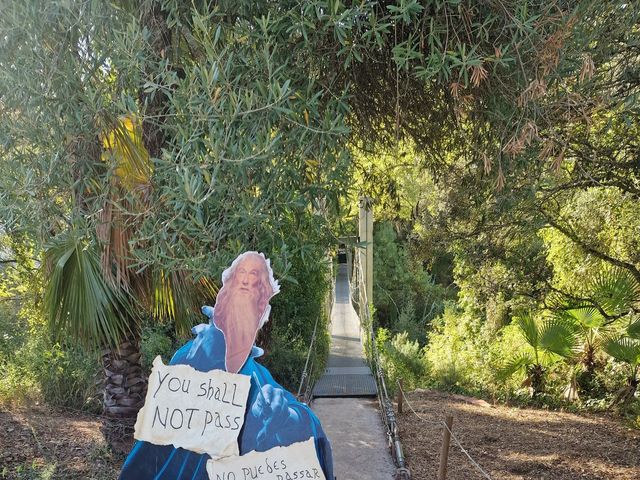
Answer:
(349, 398)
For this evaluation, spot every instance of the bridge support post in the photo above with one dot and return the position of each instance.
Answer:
(366, 238)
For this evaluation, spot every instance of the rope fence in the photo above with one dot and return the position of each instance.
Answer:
(452, 435)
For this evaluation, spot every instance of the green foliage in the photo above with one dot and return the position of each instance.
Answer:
(548, 341)
(401, 359)
(406, 298)
(33, 368)
(67, 376)
(457, 351)
(287, 336)
(559, 337)
(239, 131)
(18, 385)
(505, 153)
(601, 219)
(393, 280)
(156, 340)
(624, 349)
(633, 330)
(78, 298)
(616, 291)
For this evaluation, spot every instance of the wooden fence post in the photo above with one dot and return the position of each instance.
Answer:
(400, 395)
(444, 452)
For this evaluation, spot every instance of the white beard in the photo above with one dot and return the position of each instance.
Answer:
(241, 324)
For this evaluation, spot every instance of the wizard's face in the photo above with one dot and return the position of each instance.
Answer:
(248, 279)
(240, 306)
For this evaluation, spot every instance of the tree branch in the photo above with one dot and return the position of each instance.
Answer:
(571, 235)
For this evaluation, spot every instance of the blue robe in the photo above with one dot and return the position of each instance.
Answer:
(206, 352)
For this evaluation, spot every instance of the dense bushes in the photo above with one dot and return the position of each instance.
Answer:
(406, 297)
(575, 350)
(33, 368)
(401, 358)
(286, 337)
(464, 354)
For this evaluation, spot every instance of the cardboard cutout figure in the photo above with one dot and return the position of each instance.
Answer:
(274, 417)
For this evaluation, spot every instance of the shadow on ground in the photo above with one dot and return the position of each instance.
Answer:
(513, 443)
(48, 444)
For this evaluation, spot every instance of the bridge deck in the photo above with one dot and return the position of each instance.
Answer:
(353, 425)
(347, 373)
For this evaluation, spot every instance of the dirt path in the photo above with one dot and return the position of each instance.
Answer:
(48, 444)
(512, 443)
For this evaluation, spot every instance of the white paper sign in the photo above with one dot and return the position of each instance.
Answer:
(200, 411)
(295, 462)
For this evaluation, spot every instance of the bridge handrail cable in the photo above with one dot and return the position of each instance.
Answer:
(308, 368)
(373, 356)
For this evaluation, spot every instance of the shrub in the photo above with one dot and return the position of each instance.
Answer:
(401, 359)
(405, 295)
(67, 375)
(457, 351)
(18, 384)
(33, 368)
(286, 337)
(157, 340)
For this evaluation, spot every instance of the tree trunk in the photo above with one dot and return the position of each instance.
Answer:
(626, 393)
(125, 387)
(124, 383)
(535, 374)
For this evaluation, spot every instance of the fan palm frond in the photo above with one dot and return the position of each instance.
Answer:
(177, 298)
(517, 363)
(633, 330)
(559, 336)
(529, 328)
(123, 143)
(78, 299)
(587, 317)
(623, 348)
(616, 290)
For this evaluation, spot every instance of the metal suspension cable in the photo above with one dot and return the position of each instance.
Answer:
(304, 374)
(306, 370)
(386, 408)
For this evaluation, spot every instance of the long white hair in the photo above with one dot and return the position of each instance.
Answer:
(269, 286)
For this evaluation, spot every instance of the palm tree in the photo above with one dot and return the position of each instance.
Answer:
(611, 296)
(589, 324)
(548, 341)
(93, 294)
(626, 348)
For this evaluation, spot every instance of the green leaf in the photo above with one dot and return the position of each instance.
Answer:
(529, 329)
(588, 317)
(78, 300)
(616, 290)
(559, 336)
(520, 362)
(624, 349)
(633, 330)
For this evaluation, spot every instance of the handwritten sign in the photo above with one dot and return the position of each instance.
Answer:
(295, 462)
(200, 411)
